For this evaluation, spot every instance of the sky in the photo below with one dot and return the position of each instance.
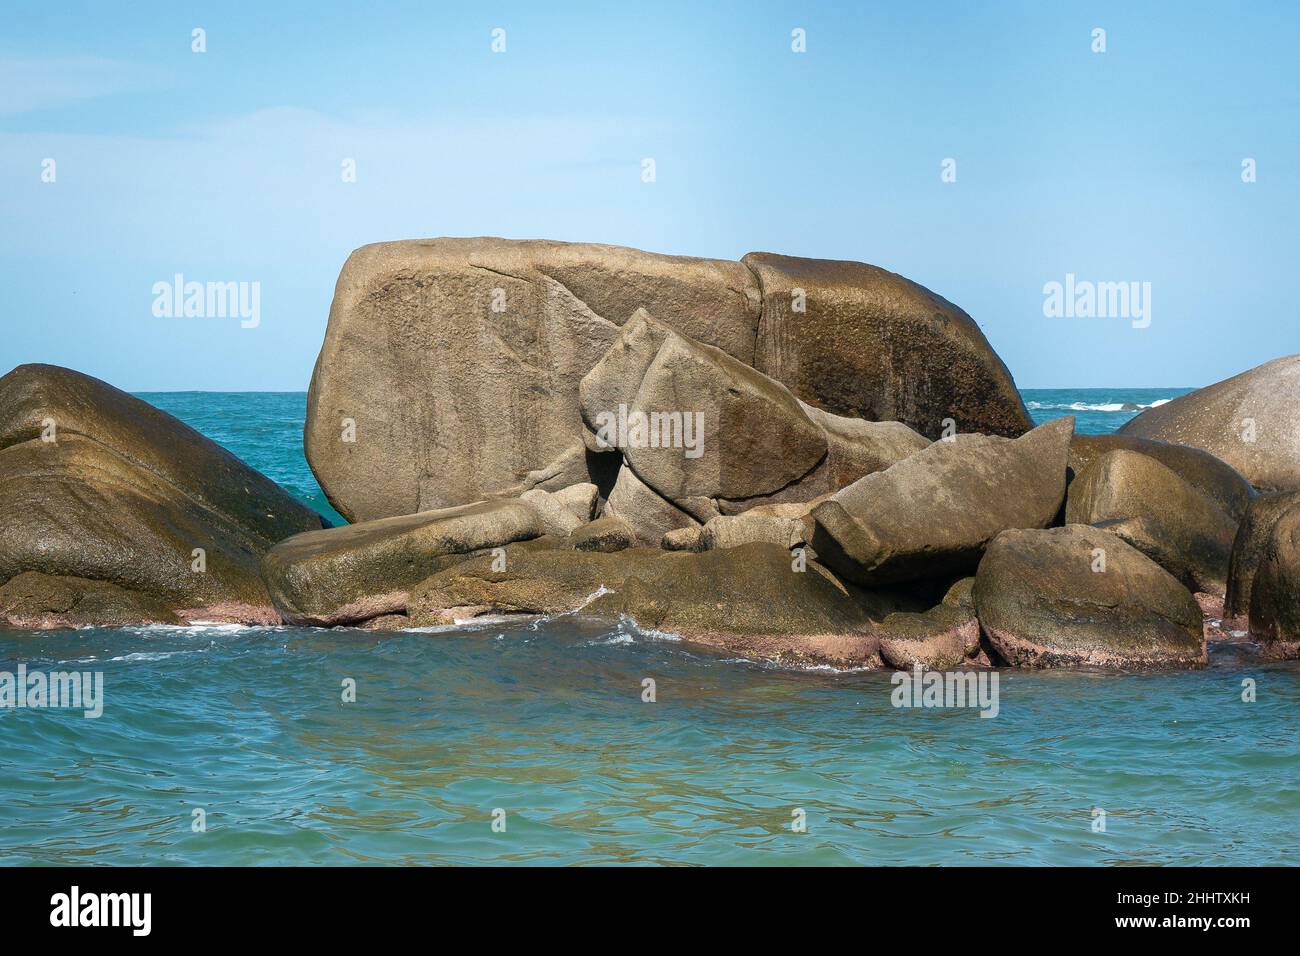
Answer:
(227, 165)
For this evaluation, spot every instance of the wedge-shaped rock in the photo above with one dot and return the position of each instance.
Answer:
(648, 513)
(360, 571)
(945, 637)
(699, 423)
(450, 367)
(1134, 496)
(1080, 596)
(1248, 421)
(731, 531)
(111, 507)
(1217, 480)
(932, 514)
(1275, 591)
(1248, 547)
(863, 342)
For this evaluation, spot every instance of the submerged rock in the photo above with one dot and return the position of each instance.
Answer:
(746, 600)
(1072, 596)
(932, 514)
(114, 512)
(945, 637)
(1248, 421)
(1137, 498)
(350, 574)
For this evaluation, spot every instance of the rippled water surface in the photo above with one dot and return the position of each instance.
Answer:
(545, 721)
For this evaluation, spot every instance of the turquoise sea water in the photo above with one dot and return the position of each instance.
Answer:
(545, 721)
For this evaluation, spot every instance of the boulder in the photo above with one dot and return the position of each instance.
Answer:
(606, 535)
(945, 637)
(360, 571)
(731, 531)
(682, 539)
(932, 514)
(747, 600)
(1223, 484)
(862, 342)
(563, 512)
(1275, 590)
(648, 513)
(1137, 498)
(1248, 421)
(1248, 547)
(457, 361)
(710, 434)
(696, 422)
(110, 506)
(450, 367)
(1043, 602)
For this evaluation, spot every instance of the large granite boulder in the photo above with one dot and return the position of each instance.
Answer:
(932, 514)
(1248, 421)
(450, 367)
(458, 361)
(747, 600)
(113, 512)
(863, 342)
(1137, 498)
(351, 574)
(1248, 547)
(1217, 480)
(1275, 590)
(1077, 596)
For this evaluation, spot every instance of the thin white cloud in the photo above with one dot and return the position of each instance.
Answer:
(30, 84)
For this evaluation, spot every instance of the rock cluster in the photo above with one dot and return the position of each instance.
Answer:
(788, 459)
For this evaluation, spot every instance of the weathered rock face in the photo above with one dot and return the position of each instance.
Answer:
(563, 512)
(731, 531)
(459, 360)
(606, 534)
(746, 600)
(1041, 603)
(1248, 421)
(933, 513)
(360, 571)
(871, 344)
(450, 367)
(1275, 591)
(945, 637)
(1137, 498)
(700, 433)
(1248, 547)
(106, 515)
(1217, 480)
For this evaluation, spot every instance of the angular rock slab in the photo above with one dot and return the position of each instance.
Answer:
(932, 514)
(1136, 497)
(745, 600)
(1275, 591)
(457, 361)
(364, 570)
(1040, 603)
(1217, 480)
(692, 421)
(1248, 421)
(126, 511)
(871, 344)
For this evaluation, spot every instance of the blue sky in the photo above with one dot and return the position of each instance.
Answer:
(225, 165)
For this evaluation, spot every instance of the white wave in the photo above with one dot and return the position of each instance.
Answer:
(1096, 406)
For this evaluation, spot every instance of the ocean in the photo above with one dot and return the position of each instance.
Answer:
(529, 742)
